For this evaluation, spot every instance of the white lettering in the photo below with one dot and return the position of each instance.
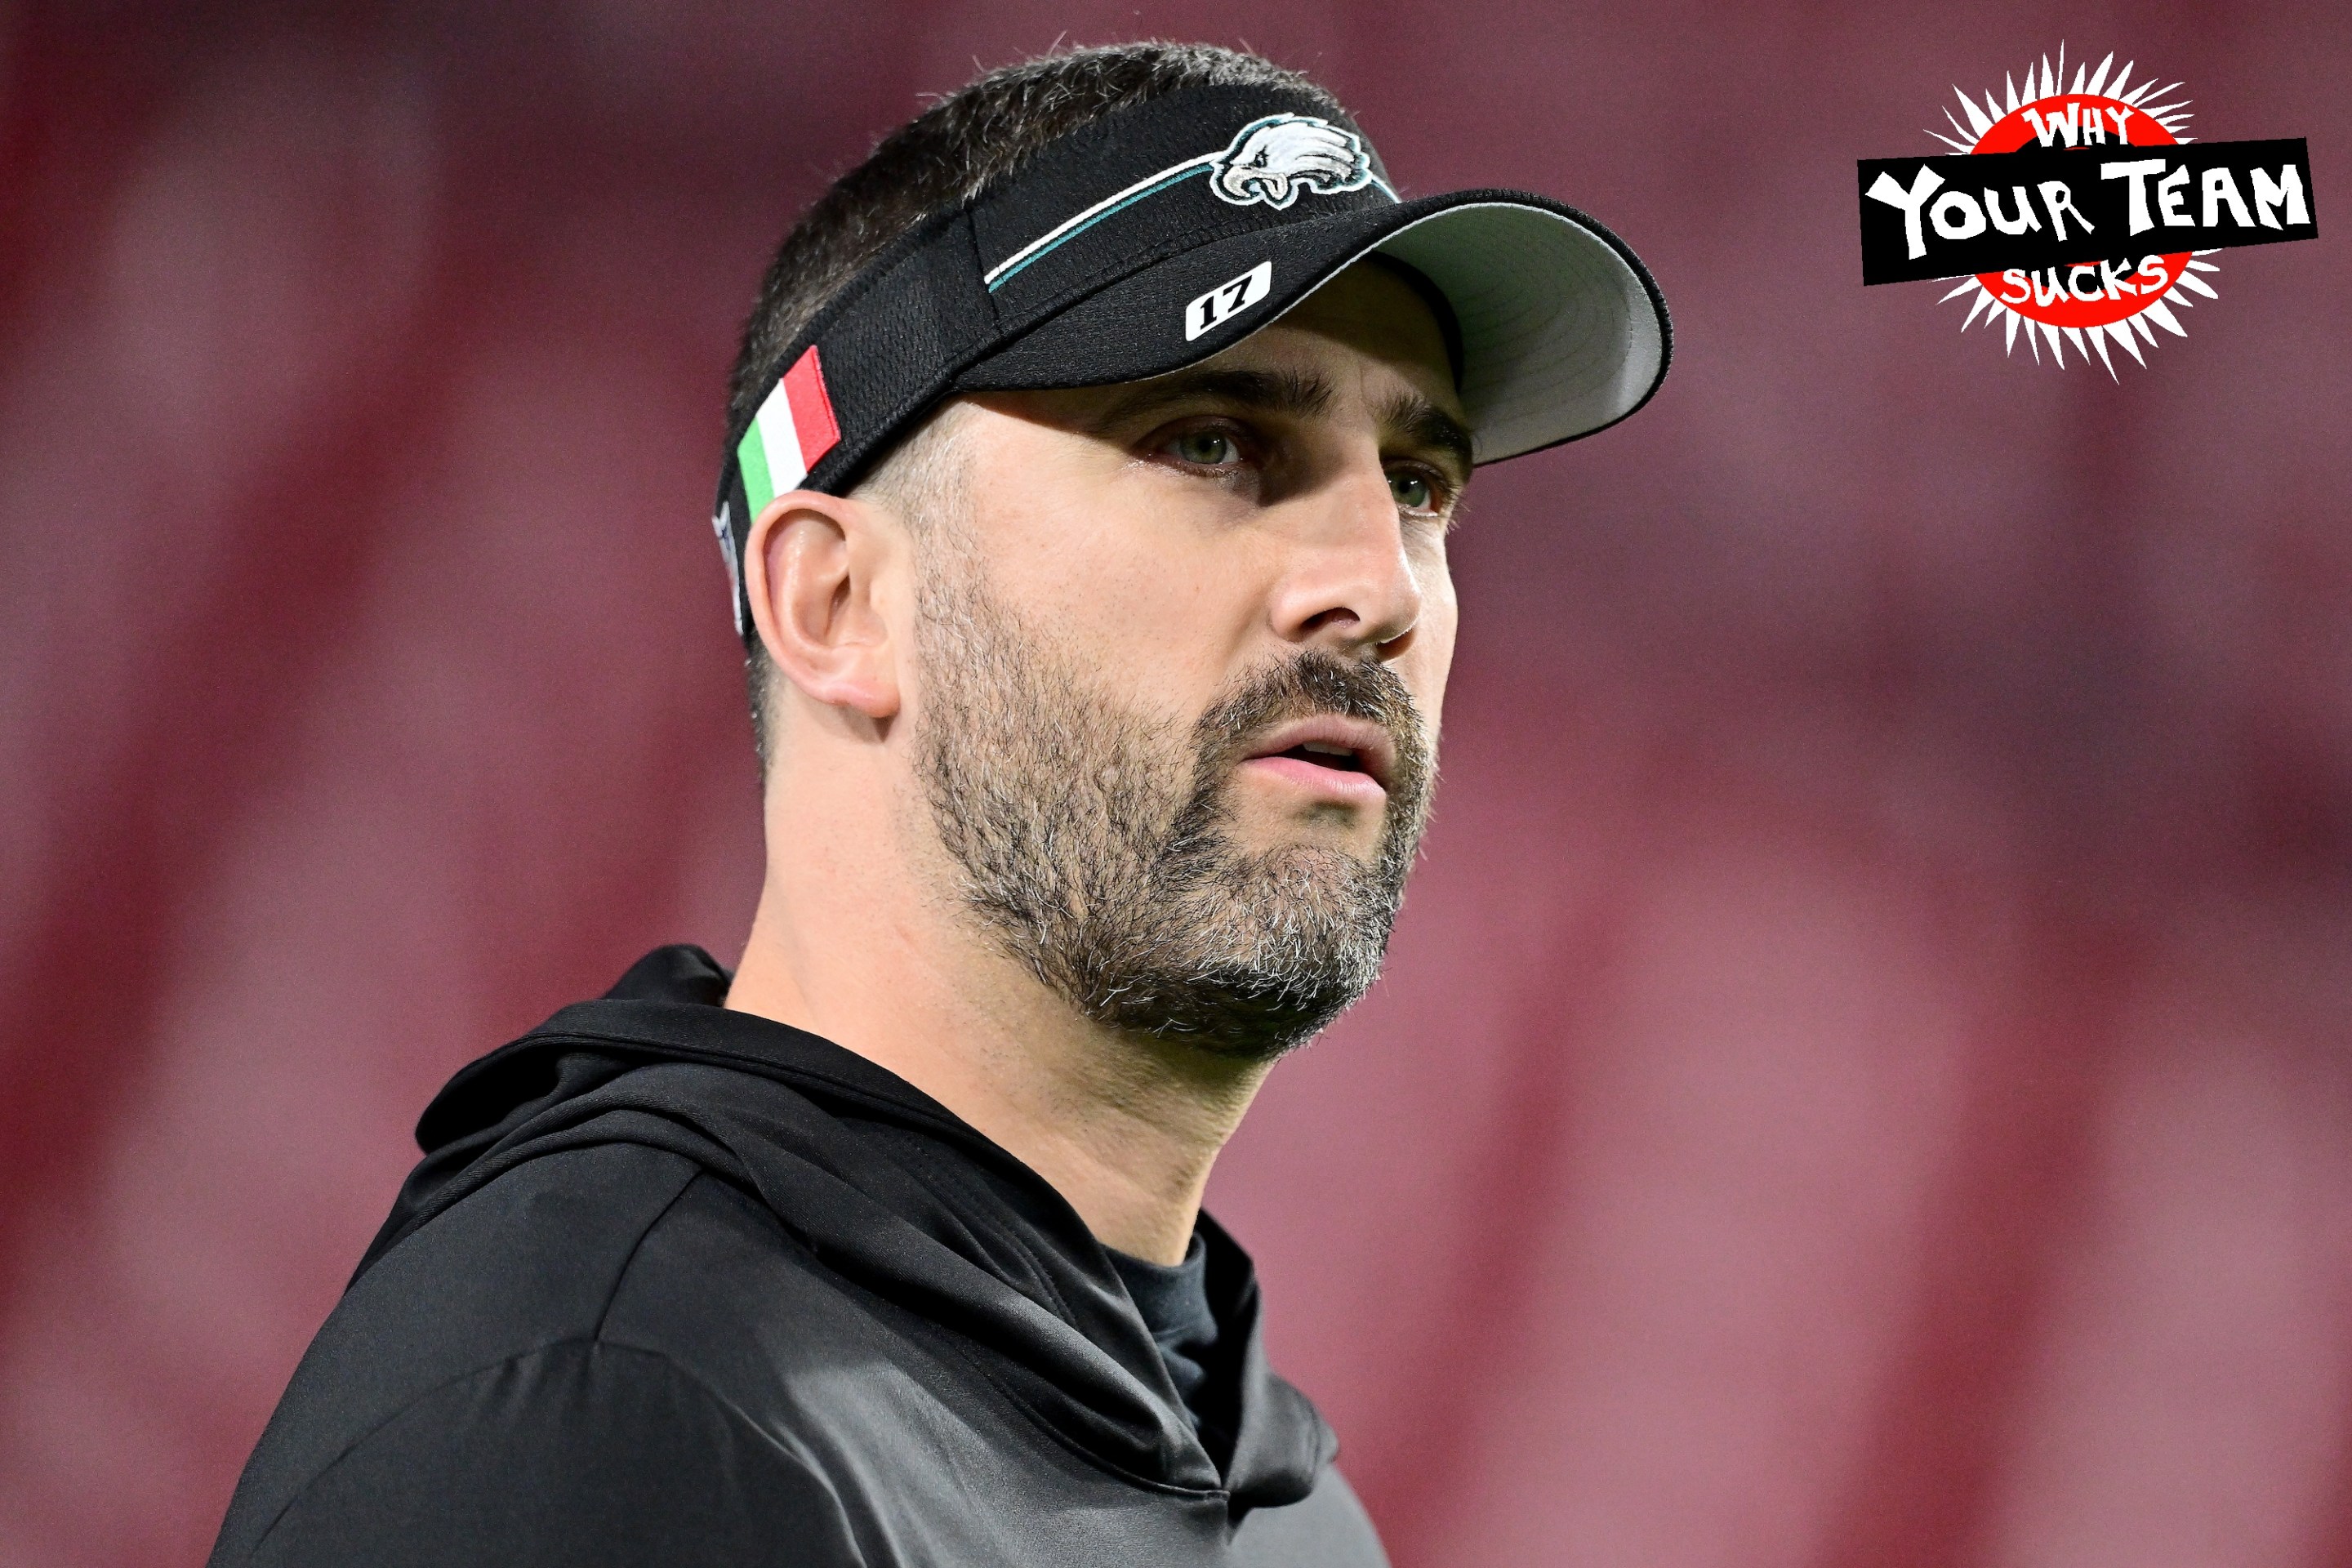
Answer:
(2219, 187)
(2049, 293)
(2286, 189)
(2111, 276)
(1966, 219)
(1885, 189)
(2066, 130)
(2119, 116)
(2151, 274)
(2059, 197)
(2075, 286)
(2015, 278)
(2136, 172)
(2025, 218)
(2171, 194)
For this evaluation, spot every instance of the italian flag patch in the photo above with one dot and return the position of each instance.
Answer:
(793, 428)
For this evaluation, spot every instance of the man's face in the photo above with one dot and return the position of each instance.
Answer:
(1182, 648)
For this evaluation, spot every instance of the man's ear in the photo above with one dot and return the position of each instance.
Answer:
(813, 565)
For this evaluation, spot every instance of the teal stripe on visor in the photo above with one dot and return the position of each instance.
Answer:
(1077, 229)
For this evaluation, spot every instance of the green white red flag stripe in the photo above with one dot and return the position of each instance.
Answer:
(793, 428)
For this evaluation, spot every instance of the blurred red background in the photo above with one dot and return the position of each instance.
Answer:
(1863, 1074)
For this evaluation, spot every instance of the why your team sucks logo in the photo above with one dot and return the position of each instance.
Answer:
(2079, 214)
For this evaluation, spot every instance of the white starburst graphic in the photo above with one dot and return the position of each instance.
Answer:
(2053, 113)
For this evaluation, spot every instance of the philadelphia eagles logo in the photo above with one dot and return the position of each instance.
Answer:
(1272, 160)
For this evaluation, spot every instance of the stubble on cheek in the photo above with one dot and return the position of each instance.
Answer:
(1095, 842)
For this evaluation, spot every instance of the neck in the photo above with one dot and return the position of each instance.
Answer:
(1125, 1128)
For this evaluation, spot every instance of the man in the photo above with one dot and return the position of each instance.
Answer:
(1096, 443)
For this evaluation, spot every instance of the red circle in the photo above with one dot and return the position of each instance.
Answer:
(2013, 130)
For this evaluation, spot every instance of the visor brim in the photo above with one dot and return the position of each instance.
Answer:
(1563, 331)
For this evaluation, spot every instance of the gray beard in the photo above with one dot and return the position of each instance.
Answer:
(1095, 845)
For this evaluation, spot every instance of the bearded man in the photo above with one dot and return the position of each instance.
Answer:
(1094, 444)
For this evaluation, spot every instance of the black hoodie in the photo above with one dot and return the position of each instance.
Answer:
(680, 1285)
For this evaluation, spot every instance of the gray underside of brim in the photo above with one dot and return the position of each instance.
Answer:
(1559, 334)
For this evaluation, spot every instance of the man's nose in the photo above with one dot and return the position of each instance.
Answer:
(1349, 587)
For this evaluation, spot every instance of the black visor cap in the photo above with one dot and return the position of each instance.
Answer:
(1161, 235)
(1561, 330)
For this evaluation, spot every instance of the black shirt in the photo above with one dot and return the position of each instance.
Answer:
(1173, 1301)
(680, 1285)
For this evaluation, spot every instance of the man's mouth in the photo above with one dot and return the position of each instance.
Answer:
(1348, 759)
(1341, 757)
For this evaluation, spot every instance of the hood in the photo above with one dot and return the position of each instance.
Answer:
(848, 1157)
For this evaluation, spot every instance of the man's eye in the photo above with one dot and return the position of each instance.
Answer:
(1413, 491)
(1208, 448)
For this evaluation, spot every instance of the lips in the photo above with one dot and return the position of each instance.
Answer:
(1334, 743)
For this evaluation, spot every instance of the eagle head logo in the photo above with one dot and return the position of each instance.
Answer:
(1272, 160)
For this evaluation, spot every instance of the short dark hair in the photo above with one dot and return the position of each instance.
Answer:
(947, 155)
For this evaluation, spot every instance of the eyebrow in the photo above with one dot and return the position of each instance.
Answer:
(1295, 395)
(1425, 424)
(1299, 395)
